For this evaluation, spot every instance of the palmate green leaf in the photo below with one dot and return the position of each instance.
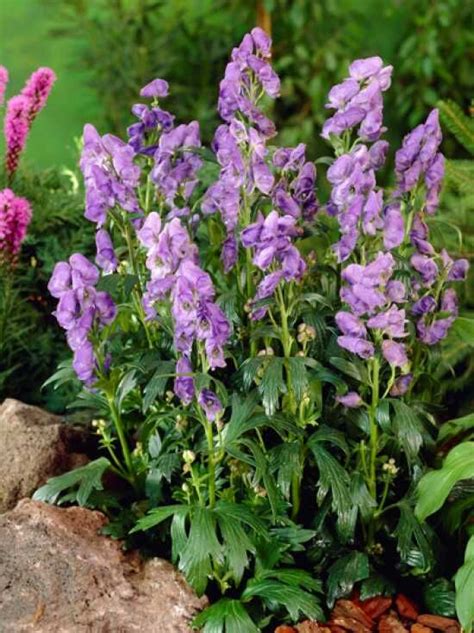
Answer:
(288, 461)
(464, 582)
(225, 616)
(157, 384)
(202, 548)
(263, 473)
(413, 539)
(408, 428)
(242, 418)
(158, 515)
(296, 600)
(376, 585)
(435, 486)
(272, 384)
(439, 597)
(463, 328)
(299, 376)
(332, 476)
(237, 546)
(354, 369)
(344, 573)
(87, 479)
(243, 514)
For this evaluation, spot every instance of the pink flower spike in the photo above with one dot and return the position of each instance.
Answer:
(15, 216)
(16, 131)
(37, 90)
(3, 83)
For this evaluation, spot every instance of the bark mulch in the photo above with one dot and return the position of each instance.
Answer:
(376, 615)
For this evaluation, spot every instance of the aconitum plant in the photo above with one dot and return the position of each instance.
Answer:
(246, 347)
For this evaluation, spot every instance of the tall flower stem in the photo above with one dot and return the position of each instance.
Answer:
(373, 438)
(211, 463)
(118, 424)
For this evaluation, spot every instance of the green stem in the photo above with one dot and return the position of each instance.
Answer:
(117, 420)
(211, 464)
(373, 441)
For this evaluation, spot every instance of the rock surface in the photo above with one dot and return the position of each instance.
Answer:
(58, 575)
(34, 445)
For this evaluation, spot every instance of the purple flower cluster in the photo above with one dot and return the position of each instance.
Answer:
(143, 135)
(358, 100)
(240, 147)
(80, 308)
(110, 175)
(271, 240)
(420, 158)
(356, 201)
(373, 298)
(176, 166)
(294, 194)
(173, 262)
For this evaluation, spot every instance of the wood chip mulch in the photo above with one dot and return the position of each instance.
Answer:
(376, 615)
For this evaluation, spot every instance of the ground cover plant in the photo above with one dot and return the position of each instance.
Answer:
(260, 362)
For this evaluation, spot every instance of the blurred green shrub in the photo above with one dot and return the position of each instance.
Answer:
(30, 344)
(122, 44)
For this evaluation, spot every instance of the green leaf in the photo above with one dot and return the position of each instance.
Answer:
(126, 385)
(158, 515)
(344, 573)
(236, 546)
(353, 369)
(299, 376)
(243, 514)
(202, 549)
(272, 384)
(439, 598)
(88, 478)
(463, 328)
(275, 593)
(454, 427)
(225, 616)
(262, 473)
(376, 585)
(157, 384)
(413, 540)
(408, 428)
(464, 582)
(241, 419)
(332, 477)
(435, 486)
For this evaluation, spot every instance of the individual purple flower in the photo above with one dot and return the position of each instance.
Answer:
(265, 289)
(433, 333)
(184, 382)
(229, 252)
(394, 353)
(401, 385)
(350, 325)
(351, 400)
(211, 404)
(61, 280)
(361, 347)
(395, 291)
(83, 272)
(105, 258)
(427, 268)
(391, 322)
(154, 89)
(394, 226)
(424, 305)
(83, 363)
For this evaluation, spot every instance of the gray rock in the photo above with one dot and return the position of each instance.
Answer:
(34, 445)
(58, 575)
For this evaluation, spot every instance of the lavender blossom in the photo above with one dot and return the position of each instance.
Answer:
(211, 404)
